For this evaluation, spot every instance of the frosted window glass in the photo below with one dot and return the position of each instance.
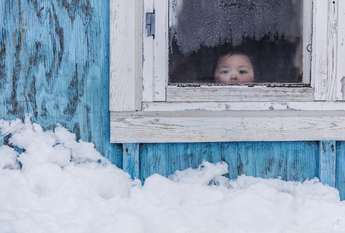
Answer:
(211, 38)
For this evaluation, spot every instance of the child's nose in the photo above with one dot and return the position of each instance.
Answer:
(233, 75)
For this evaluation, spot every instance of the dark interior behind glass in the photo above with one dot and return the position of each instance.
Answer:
(269, 32)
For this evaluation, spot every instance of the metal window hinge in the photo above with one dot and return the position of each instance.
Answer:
(151, 24)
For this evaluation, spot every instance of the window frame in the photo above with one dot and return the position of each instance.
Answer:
(144, 108)
(172, 92)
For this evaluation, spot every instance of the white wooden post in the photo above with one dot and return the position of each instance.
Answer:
(126, 55)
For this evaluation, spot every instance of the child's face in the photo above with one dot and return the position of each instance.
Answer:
(234, 69)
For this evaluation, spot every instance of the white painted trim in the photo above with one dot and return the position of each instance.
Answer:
(238, 93)
(324, 65)
(307, 39)
(227, 126)
(125, 55)
(148, 57)
(161, 52)
(341, 51)
(242, 93)
(156, 53)
(332, 87)
(242, 106)
(319, 48)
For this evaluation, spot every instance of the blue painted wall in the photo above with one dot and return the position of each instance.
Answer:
(340, 169)
(54, 65)
(287, 160)
(293, 161)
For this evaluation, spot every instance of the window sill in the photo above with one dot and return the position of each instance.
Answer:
(239, 93)
(222, 126)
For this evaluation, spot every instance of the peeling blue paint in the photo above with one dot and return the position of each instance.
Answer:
(54, 66)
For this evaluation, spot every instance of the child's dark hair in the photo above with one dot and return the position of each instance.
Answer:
(224, 50)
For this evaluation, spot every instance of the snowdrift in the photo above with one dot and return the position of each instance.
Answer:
(51, 183)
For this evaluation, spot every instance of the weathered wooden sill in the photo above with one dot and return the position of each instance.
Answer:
(212, 126)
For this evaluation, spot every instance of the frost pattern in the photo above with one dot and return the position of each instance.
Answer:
(196, 23)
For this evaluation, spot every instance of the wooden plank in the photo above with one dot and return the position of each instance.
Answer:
(333, 84)
(156, 53)
(307, 39)
(54, 67)
(340, 169)
(324, 49)
(131, 160)
(242, 106)
(155, 159)
(165, 159)
(301, 160)
(126, 55)
(205, 126)
(341, 52)
(327, 170)
(148, 62)
(319, 50)
(237, 93)
(161, 49)
(287, 160)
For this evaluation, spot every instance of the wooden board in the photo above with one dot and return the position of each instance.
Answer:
(328, 163)
(340, 169)
(287, 160)
(236, 93)
(341, 52)
(210, 126)
(126, 55)
(54, 66)
(131, 160)
(155, 64)
(326, 80)
(242, 106)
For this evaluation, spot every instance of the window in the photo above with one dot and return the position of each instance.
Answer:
(227, 70)
(238, 42)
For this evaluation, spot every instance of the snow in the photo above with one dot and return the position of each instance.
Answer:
(50, 183)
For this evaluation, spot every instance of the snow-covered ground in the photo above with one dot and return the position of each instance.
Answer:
(58, 185)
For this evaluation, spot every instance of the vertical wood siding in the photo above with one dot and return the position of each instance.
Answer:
(340, 169)
(287, 160)
(292, 161)
(327, 164)
(54, 65)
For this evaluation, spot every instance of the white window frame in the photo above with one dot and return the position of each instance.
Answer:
(145, 109)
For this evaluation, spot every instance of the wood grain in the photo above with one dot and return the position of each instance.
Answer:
(207, 126)
(325, 36)
(236, 93)
(327, 172)
(340, 169)
(54, 67)
(156, 53)
(242, 106)
(126, 55)
(287, 160)
(148, 61)
(131, 160)
(341, 52)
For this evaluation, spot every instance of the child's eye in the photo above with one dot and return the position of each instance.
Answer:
(224, 71)
(243, 72)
